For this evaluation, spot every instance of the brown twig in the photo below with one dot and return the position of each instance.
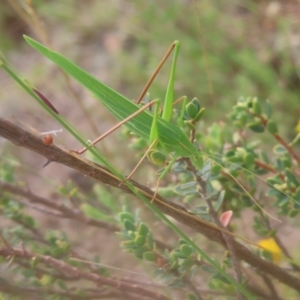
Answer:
(25, 139)
(267, 167)
(31, 293)
(89, 276)
(64, 211)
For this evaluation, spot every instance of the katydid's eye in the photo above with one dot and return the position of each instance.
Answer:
(48, 139)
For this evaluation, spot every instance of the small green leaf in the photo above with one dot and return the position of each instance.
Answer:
(179, 167)
(256, 107)
(265, 157)
(149, 255)
(272, 127)
(268, 109)
(220, 200)
(150, 241)
(199, 115)
(143, 229)
(140, 240)
(256, 127)
(191, 110)
(129, 245)
(128, 225)
(297, 194)
(188, 188)
(291, 177)
(283, 201)
(140, 252)
(248, 158)
(287, 162)
(126, 216)
(186, 250)
(279, 150)
(196, 102)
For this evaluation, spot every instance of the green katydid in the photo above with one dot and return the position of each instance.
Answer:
(113, 172)
(158, 130)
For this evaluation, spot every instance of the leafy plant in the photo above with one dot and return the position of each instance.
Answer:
(238, 176)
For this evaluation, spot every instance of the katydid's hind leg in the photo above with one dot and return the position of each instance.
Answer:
(139, 163)
(116, 126)
(167, 54)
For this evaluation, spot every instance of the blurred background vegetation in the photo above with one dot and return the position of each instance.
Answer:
(229, 48)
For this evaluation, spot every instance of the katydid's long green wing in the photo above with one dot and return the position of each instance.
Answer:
(171, 137)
